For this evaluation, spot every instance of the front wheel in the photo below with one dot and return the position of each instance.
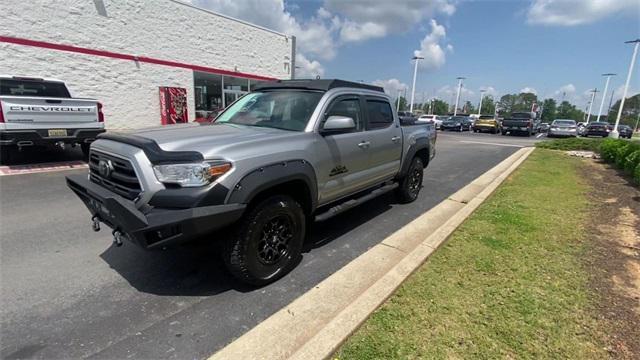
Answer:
(268, 241)
(411, 183)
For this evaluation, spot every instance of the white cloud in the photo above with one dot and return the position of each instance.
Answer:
(384, 16)
(577, 12)
(431, 48)
(391, 86)
(315, 36)
(308, 69)
(529, 90)
(490, 90)
(448, 93)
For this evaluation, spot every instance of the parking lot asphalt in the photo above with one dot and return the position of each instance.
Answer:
(68, 292)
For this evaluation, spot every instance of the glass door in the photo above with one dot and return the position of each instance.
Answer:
(232, 95)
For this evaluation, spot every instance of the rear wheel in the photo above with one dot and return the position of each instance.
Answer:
(411, 183)
(85, 150)
(5, 154)
(268, 241)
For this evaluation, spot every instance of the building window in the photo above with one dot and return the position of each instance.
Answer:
(208, 93)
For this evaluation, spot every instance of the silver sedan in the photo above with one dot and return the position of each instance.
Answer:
(563, 128)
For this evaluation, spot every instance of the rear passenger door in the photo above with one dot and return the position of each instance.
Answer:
(385, 136)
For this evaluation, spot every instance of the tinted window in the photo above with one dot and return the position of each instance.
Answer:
(380, 114)
(349, 107)
(15, 87)
(287, 109)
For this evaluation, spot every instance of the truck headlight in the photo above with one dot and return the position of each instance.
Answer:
(191, 175)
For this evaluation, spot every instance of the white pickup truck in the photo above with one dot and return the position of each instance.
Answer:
(41, 112)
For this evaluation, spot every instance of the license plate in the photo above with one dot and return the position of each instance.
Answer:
(57, 132)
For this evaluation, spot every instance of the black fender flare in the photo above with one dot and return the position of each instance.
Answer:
(269, 176)
(420, 144)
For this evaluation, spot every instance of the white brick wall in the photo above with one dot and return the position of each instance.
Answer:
(161, 29)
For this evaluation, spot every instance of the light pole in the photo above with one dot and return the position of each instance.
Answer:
(481, 96)
(593, 97)
(415, 73)
(604, 93)
(614, 133)
(455, 109)
(398, 104)
(564, 93)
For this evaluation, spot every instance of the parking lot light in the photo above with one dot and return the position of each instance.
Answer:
(604, 94)
(481, 96)
(614, 133)
(455, 108)
(593, 97)
(415, 73)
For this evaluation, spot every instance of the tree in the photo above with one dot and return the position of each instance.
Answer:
(511, 103)
(507, 104)
(468, 108)
(567, 110)
(403, 103)
(629, 113)
(440, 107)
(488, 106)
(549, 110)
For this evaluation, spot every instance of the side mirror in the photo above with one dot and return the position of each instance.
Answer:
(338, 124)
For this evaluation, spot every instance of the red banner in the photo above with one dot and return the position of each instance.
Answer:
(173, 105)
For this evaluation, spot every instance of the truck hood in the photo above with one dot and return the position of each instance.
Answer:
(213, 138)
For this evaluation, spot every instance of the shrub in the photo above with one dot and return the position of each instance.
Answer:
(623, 151)
(632, 161)
(636, 174)
(609, 149)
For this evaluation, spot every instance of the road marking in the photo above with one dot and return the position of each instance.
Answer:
(538, 136)
(41, 168)
(315, 324)
(491, 143)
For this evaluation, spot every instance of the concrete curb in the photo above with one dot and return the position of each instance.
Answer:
(314, 325)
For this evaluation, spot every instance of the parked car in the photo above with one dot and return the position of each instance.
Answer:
(544, 127)
(457, 123)
(625, 131)
(601, 129)
(289, 153)
(520, 123)
(41, 112)
(439, 120)
(427, 118)
(407, 118)
(487, 123)
(581, 128)
(563, 128)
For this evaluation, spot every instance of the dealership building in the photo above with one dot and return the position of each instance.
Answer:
(148, 62)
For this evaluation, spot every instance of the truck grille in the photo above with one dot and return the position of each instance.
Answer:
(120, 178)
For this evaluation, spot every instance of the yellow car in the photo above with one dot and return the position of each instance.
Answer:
(487, 123)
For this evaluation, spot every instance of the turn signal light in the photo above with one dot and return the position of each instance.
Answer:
(219, 170)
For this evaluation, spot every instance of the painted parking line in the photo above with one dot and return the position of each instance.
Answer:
(41, 168)
(491, 143)
(539, 136)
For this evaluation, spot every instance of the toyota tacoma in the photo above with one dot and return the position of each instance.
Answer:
(288, 154)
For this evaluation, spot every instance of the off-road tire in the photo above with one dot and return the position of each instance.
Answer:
(407, 191)
(245, 253)
(85, 150)
(5, 154)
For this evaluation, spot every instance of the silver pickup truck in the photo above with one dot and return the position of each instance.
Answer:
(281, 157)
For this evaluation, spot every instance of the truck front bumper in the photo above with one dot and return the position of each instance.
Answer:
(41, 137)
(154, 227)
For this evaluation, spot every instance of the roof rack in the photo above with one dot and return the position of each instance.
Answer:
(310, 84)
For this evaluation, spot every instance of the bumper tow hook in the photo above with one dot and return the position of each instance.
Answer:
(95, 223)
(117, 238)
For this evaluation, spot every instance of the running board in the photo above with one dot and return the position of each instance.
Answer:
(338, 209)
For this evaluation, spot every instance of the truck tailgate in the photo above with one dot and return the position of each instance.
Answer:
(22, 112)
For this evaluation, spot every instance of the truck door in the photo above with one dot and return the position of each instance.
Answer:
(343, 156)
(385, 135)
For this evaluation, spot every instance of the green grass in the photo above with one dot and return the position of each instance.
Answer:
(508, 284)
(567, 144)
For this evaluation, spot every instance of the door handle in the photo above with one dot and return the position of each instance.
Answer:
(395, 139)
(364, 144)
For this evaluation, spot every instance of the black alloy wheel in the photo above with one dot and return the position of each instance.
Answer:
(410, 185)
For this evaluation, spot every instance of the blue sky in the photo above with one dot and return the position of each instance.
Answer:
(550, 46)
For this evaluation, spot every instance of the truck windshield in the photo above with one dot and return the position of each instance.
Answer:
(282, 109)
(19, 87)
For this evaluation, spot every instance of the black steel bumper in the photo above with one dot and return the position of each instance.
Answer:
(153, 228)
(41, 136)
